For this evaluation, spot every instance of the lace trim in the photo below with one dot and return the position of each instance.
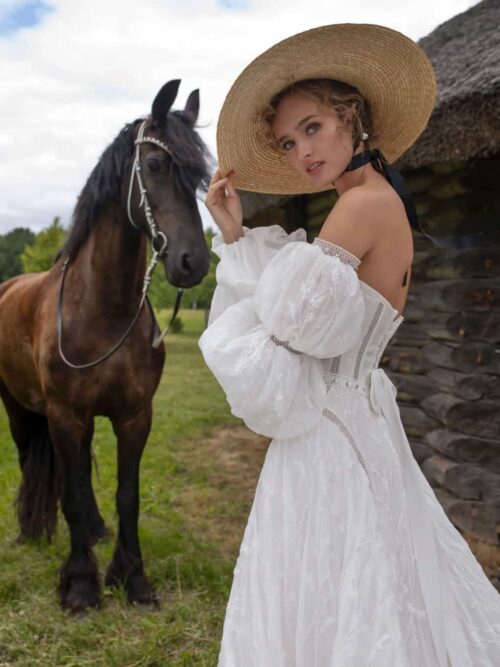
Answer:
(335, 364)
(366, 338)
(343, 428)
(284, 343)
(333, 249)
(331, 370)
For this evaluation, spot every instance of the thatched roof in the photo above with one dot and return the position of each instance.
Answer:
(465, 123)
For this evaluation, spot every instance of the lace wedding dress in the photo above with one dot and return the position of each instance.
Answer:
(347, 559)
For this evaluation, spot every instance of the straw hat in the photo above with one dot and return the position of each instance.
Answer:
(389, 70)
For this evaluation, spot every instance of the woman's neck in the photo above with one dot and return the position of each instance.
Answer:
(360, 176)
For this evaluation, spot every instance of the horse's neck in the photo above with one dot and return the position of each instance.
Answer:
(111, 264)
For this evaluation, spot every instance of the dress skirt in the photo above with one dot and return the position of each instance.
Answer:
(327, 574)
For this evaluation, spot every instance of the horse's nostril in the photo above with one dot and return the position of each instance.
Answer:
(186, 262)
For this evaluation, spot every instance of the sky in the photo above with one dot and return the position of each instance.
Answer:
(73, 72)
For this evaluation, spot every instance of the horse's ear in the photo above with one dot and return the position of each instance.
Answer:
(164, 100)
(192, 107)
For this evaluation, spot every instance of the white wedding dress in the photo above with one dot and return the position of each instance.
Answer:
(348, 559)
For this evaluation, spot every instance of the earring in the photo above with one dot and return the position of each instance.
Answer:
(364, 136)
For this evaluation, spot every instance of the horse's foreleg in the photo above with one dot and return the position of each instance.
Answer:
(97, 527)
(126, 567)
(79, 579)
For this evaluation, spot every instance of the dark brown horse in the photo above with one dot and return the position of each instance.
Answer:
(51, 406)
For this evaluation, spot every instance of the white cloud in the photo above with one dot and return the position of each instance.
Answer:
(70, 83)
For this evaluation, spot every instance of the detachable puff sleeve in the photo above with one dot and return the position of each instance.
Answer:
(265, 349)
(243, 261)
(310, 299)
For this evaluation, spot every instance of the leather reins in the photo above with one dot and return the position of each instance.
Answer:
(159, 244)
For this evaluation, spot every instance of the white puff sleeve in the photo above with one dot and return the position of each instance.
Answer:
(266, 349)
(243, 261)
(310, 299)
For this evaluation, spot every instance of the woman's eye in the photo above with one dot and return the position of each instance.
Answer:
(313, 127)
(310, 129)
(154, 165)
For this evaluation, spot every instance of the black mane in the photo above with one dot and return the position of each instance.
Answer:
(191, 158)
(190, 169)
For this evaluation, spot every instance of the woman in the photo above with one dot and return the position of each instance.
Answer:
(348, 558)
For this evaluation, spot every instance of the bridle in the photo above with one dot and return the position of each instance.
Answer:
(144, 202)
(159, 244)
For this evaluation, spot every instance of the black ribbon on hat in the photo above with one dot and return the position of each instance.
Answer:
(380, 164)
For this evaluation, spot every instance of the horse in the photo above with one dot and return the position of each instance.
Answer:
(67, 356)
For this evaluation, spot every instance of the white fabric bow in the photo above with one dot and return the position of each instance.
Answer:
(382, 390)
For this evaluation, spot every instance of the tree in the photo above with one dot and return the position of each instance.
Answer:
(12, 245)
(41, 255)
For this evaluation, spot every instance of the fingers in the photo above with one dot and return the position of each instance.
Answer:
(217, 175)
(217, 183)
(215, 188)
(223, 201)
(231, 190)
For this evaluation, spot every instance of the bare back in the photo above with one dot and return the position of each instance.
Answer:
(384, 266)
(370, 221)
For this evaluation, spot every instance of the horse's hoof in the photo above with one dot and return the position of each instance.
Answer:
(140, 591)
(80, 597)
(79, 585)
(137, 587)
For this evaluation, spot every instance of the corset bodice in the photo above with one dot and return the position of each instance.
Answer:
(380, 323)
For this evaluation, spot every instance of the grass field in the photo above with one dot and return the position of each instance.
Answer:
(198, 478)
(195, 499)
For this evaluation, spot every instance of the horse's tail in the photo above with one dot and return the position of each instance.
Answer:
(40, 488)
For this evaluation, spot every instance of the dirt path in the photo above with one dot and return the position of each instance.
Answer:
(228, 464)
(231, 459)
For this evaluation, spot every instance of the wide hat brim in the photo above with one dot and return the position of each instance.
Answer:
(389, 70)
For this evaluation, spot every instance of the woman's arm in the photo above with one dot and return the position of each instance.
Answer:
(266, 350)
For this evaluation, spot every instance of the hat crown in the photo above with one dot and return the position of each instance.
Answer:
(389, 70)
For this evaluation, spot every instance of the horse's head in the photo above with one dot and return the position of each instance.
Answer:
(171, 164)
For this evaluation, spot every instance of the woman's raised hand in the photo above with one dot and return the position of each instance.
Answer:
(224, 205)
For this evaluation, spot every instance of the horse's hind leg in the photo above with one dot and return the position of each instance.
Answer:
(79, 577)
(97, 528)
(126, 567)
(38, 493)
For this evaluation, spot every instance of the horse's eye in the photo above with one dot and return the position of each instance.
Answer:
(154, 165)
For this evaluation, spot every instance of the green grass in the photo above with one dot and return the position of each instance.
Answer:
(190, 571)
(192, 516)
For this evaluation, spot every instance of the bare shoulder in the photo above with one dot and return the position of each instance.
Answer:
(361, 216)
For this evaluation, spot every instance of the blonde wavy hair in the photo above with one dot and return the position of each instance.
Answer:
(349, 105)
